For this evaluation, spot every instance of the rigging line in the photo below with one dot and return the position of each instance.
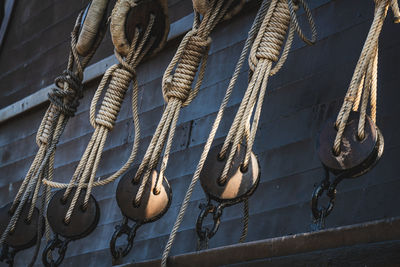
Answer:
(248, 43)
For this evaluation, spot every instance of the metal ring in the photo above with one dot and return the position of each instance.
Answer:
(130, 232)
(51, 246)
(204, 232)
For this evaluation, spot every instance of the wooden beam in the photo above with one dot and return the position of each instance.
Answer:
(263, 252)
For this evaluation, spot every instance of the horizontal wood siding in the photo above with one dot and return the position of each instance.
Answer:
(308, 90)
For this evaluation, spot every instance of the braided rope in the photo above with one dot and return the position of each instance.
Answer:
(63, 103)
(363, 85)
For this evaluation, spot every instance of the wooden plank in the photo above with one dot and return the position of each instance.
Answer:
(365, 233)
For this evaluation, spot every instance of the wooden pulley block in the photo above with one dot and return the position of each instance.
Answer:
(26, 232)
(240, 183)
(356, 156)
(202, 6)
(93, 19)
(128, 15)
(83, 221)
(153, 204)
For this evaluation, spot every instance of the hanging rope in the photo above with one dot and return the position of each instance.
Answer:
(266, 38)
(118, 78)
(178, 78)
(363, 86)
(64, 102)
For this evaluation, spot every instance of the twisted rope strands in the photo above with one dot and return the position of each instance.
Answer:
(64, 101)
(117, 77)
(248, 43)
(245, 221)
(364, 77)
(265, 50)
(190, 58)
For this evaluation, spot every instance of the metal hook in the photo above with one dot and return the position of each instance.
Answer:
(60, 245)
(203, 233)
(320, 213)
(123, 229)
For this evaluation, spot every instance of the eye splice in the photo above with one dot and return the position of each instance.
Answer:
(229, 173)
(138, 30)
(22, 224)
(352, 145)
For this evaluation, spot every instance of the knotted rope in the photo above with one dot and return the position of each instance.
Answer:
(363, 85)
(117, 77)
(265, 38)
(64, 100)
(190, 58)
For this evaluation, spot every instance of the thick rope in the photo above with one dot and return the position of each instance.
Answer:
(118, 78)
(64, 101)
(265, 50)
(266, 38)
(249, 41)
(363, 85)
(190, 59)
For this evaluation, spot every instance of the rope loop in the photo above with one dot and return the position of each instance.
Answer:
(179, 84)
(293, 6)
(67, 94)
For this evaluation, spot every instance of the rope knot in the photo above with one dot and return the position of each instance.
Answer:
(125, 65)
(270, 41)
(66, 97)
(179, 84)
(111, 105)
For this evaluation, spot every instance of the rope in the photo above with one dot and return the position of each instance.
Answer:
(117, 79)
(363, 85)
(265, 38)
(63, 103)
(250, 39)
(245, 221)
(189, 59)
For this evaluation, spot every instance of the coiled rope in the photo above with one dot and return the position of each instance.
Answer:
(191, 56)
(266, 38)
(64, 100)
(363, 85)
(117, 77)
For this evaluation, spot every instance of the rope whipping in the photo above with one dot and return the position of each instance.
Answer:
(265, 38)
(363, 85)
(64, 100)
(118, 78)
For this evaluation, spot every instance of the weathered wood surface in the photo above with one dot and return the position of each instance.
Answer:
(300, 97)
(366, 244)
